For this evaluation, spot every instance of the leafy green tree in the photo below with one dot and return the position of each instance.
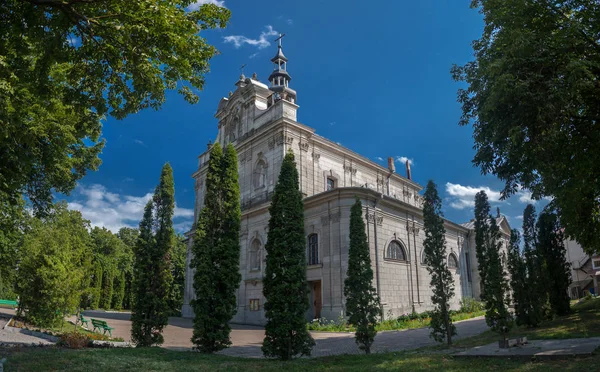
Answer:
(493, 278)
(518, 279)
(178, 273)
(95, 292)
(119, 292)
(551, 244)
(14, 222)
(152, 270)
(113, 256)
(67, 64)
(362, 301)
(56, 256)
(128, 236)
(442, 282)
(537, 294)
(534, 103)
(216, 252)
(284, 284)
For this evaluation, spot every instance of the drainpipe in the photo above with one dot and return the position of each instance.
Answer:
(416, 261)
(409, 273)
(377, 253)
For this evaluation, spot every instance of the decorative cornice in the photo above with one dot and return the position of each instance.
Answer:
(316, 156)
(350, 169)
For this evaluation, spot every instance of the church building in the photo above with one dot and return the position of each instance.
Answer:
(261, 121)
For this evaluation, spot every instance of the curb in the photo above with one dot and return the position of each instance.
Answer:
(33, 333)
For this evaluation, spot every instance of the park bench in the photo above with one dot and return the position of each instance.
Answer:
(12, 303)
(101, 324)
(83, 320)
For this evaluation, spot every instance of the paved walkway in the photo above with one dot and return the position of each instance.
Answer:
(16, 336)
(247, 340)
(541, 349)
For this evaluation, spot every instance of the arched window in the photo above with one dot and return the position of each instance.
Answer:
(313, 249)
(254, 258)
(260, 174)
(395, 251)
(452, 261)
(423, 257)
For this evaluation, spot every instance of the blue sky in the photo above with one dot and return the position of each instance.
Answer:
(374, 77)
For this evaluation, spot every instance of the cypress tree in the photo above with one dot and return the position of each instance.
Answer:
(284, 284)
(442, 282)
(518, 279)
(362, 301)
(216, 250)
(96, 286)
(493, 278)
(153, 264)
(536, 295)
(551, 245)
(107, 289)
(119, 292)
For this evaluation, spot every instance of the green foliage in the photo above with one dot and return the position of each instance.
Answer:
(362, 302)
(551, 245)
(534, 103)
(54, 263)
(119, 292)
(470, 305)
(442, 282)
(216, 250)
(96, 288)
(14, 223)
(518, 278)
(152, 268)
(65, 65)
(128, 236)
(537, 277)
(494, 285)
(284, 283)
(178, 258)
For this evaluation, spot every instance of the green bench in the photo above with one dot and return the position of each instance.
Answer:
(83, 320)
(101, 324)
(9, 303)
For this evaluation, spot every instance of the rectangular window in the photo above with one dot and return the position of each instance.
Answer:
(254, 304)
(330, 184)
(313, 249)
(596, 263)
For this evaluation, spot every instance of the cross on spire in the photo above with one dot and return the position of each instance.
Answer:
(279, 39)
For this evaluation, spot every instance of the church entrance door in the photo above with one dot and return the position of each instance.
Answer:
(317, 302)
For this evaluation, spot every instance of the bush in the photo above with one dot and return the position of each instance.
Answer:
(470, 305)
(74, 340)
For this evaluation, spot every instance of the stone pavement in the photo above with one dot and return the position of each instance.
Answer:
(541, 349)
(247, 339)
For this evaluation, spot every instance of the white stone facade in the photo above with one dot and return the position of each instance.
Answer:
(263, 126)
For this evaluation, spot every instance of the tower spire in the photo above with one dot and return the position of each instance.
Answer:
(280, 78)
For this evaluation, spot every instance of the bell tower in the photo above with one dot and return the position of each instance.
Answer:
(280, 78)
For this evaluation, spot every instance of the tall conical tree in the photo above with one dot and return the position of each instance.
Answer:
(551, 245)
(518, 278)
(442, 282)
(536, 282)
(493, 278)
(153, 264)
(216, 252)
(362, 301)
(285, 287)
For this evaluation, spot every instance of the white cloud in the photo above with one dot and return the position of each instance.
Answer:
(253, 55)
(379, 158)
(140, 142)
(462, 197)
(289, 21)
(113, 211)
(261, 43)
(404, 159)
(199, 3)
(519, 217)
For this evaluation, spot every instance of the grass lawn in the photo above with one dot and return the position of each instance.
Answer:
(584, 322)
